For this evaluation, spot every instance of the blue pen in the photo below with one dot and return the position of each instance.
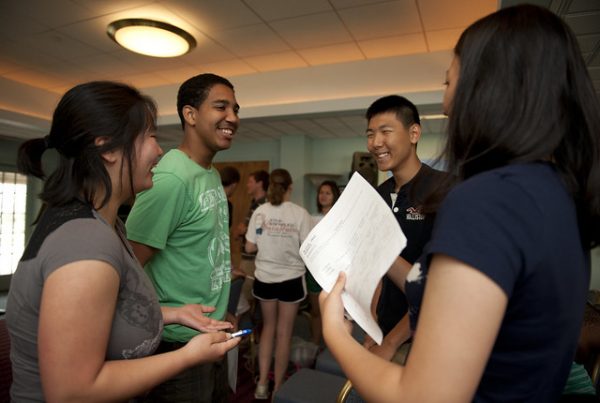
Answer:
(240, 333)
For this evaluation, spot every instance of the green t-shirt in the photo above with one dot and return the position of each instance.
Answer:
(185, 216)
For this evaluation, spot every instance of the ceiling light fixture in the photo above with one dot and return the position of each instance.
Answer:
(151, 38)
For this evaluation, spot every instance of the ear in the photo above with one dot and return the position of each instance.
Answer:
(108, 156)
(189, 115)
(414, 133)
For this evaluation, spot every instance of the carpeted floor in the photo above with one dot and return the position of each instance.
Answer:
(246, 378)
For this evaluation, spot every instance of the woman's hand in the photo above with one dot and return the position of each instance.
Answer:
(209, 347)
(193, 316)
(332, 308)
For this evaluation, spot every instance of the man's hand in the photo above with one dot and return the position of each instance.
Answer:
(386, 350)
(192, 315)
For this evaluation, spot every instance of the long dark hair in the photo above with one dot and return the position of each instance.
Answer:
(279, 182)
(335, 190)
(114, 112)
(524, 94)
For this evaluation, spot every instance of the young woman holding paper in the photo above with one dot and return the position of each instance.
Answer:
(497, 298)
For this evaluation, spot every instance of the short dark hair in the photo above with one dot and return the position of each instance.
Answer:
(113, 111)
(195, 90)
(280, 181)
(229, 175)
(524, 94)
(261, 176)
(405, 111)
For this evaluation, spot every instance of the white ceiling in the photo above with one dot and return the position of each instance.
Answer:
(307, 67)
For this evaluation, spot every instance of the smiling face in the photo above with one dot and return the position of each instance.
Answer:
(392, 144)
(147, 152)
(216, 120)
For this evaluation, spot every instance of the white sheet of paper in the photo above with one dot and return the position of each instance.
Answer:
(361, 237)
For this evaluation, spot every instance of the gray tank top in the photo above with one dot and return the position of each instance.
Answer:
(64, 235)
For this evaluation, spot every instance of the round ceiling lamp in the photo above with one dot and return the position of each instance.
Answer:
(151, 38)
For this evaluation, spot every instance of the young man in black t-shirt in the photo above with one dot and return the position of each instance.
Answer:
(392, 135)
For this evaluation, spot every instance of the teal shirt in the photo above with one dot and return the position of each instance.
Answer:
(184, 215)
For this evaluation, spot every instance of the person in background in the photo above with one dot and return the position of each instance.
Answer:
(82, 315)
(497, 298)
(257, 186)
(230, 177)
(179, 233)
(393, 132)
(327, 194)
(275, 231)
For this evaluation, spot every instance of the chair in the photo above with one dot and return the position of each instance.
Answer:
(310, 386)
(5, 365)
(345, 392)
(325, 361)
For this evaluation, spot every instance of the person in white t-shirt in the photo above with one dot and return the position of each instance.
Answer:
(276, 230)
(327, 194)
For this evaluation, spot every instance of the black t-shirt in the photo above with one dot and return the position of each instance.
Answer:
(518, 226)
(416, 226)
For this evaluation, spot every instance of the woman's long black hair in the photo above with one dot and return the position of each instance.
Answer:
(524, 94)
(113, 112)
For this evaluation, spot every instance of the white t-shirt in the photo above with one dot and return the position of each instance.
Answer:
(278, 232)
(316, 219)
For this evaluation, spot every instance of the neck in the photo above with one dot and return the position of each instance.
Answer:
(325, 209)
(259, 194)
(109, 210)
(404, 174)
(197, 152)
(287, 195)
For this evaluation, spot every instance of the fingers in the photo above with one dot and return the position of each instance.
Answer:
(214, 326)
(338, 287)
(339, 284)
(206, 308)
(224, 340)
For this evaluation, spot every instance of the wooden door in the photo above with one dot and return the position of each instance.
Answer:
(240, 201)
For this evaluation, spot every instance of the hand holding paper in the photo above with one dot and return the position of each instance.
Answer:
(361, 237)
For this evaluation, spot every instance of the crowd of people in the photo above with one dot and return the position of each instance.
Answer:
(485, 303)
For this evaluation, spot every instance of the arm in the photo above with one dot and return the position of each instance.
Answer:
(142, 252)
(398, 272)
(240, 230)
(76, 312)
(368, 342)
(251, 247)
(393, 340)
(190, 315)
(442, 338)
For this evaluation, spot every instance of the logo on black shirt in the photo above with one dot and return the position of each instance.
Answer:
(414, 213)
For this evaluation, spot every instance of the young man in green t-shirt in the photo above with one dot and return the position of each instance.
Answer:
(179, 233)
